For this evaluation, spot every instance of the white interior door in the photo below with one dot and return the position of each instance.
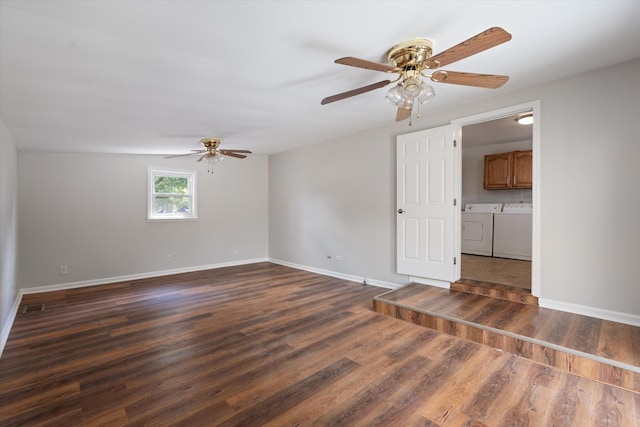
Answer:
(428, 190)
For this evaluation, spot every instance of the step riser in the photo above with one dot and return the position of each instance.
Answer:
(549, 356)
(502, 292)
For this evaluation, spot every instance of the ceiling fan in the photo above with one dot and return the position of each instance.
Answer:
(410, 59)
(212, 154)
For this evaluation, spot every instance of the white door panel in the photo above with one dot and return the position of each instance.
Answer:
(427, 186)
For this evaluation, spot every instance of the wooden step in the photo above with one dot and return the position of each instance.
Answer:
(495, 290)
(596, 349)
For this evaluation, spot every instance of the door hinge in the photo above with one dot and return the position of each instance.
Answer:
(455, 143)
(455, 260)
(455, 202)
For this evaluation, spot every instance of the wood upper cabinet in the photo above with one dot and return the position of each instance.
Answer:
(508, 170)
(522, 169)
(497, 171)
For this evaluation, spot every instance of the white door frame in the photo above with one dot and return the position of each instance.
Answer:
(533, 106)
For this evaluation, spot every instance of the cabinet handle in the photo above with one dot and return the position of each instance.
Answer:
(507, 180)
(515, 180)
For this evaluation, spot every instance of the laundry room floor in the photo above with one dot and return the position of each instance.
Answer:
(497, 270)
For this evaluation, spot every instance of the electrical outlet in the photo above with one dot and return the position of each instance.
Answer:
(169, 258)
(338, 258)
(236, 251)
(64, 269)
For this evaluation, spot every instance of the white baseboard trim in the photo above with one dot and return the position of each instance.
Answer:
(129, 277)
(349, 277)
(614, 316)
(7, 326)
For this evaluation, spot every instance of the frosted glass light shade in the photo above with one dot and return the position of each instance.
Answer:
(426, 93)
(411, 88)
(394, 96)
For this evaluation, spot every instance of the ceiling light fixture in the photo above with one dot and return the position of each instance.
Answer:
(410, 89)
(525, 119)
(212, 159)
(405, 94)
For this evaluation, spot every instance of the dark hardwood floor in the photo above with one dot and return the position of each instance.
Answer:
(264, 344)
(594, 348)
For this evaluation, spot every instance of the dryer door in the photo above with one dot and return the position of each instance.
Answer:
(477, 233)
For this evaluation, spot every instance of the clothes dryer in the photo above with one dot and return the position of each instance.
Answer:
(477, 228)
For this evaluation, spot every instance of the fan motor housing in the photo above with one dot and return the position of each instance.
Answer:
(210, 143)
(410, 54)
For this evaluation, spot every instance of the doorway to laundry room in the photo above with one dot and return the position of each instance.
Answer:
(497, 195)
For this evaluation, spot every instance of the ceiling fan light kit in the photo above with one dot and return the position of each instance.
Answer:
(411, 58)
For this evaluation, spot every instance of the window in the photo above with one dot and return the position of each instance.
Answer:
(172, 194)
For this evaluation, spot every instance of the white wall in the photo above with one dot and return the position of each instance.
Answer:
(340, 197)
(335, 199)
(473, 174)
(590, 189)
(8, 228)
(89, 212)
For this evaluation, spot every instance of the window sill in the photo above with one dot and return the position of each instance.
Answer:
(171, 219)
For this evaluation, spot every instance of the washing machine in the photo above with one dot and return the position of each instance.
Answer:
(477, 228)
(512, 229)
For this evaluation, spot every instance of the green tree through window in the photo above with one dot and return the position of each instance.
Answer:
(171, 185)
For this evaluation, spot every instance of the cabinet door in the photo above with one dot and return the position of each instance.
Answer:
(497, 171)
(522, 169)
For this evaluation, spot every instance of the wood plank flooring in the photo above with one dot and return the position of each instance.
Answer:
(264, 344)
(594, 348)
(512, 272)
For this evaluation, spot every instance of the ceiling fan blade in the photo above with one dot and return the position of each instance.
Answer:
(355, 92)
(486, 40)
(490, 81)
(363, 63)
(188, 154)
(231, 154)
(235, 151)
(403, 114)
(200, 159)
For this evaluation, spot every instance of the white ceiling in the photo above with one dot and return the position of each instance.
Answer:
(497, 131)
(156, 76)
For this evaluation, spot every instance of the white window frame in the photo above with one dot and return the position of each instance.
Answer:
(152, 173)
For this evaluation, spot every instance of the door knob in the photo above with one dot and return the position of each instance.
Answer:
(400, 211)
